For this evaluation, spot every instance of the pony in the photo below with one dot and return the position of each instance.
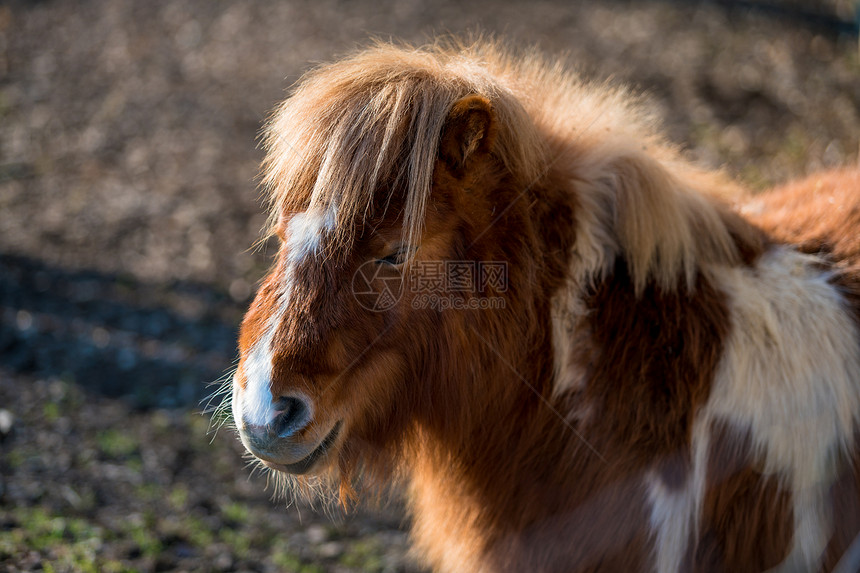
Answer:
(667, 379)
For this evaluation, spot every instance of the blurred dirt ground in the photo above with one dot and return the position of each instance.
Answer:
(128, 208)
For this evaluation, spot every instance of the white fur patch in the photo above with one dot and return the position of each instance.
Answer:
(304, 233)
(674, 514)
(790, 375)
(255, 404)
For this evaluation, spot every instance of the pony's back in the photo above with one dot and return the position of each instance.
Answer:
(820, 214)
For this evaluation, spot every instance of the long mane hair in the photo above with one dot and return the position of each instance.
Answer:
(376, 119)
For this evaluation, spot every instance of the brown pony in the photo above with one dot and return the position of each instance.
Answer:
(498, 286)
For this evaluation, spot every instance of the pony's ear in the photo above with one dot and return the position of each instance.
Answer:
(469, 131)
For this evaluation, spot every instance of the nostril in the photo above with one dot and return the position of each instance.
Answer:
(293, 415)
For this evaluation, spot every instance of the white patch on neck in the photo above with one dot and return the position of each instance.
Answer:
(675, 514)
(790, 375)
(305, 231)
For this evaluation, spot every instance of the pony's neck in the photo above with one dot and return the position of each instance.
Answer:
(499, 489)
(641, 244)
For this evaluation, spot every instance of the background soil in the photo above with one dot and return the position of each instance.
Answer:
(128, 207)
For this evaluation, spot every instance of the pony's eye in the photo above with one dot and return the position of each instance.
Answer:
(395, 258)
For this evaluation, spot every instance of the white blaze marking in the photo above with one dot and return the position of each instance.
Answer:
(304, 233)
(254, 405)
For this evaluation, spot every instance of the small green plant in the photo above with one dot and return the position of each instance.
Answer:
(291, 563)
(178, 497)
(141, 534)
(51, 411)
(235, 512)
(363, 555)
(117, 444)
(198, 532)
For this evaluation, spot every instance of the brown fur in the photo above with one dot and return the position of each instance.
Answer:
(845, 497)
(818, 214)
(469, 155)
(747, 518)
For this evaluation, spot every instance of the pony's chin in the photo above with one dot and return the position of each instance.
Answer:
(313, 460)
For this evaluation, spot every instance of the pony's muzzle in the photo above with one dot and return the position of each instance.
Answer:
(282, 444)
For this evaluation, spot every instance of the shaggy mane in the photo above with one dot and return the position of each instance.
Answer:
(371, 125)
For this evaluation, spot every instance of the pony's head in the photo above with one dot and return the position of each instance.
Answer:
(382, 170)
